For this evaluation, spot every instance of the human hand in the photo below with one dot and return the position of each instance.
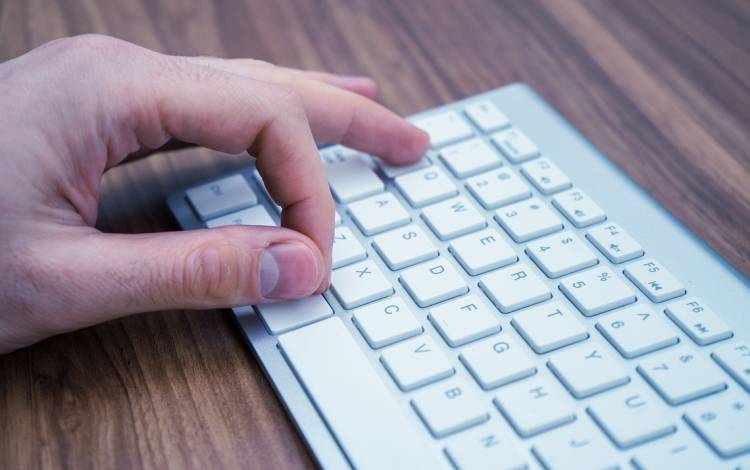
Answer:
(73, 108)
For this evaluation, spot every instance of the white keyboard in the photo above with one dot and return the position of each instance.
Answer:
(487, 312)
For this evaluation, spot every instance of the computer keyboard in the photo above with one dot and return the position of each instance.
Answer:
(509, 301)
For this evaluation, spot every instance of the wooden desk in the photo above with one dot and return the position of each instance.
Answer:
(662, 87)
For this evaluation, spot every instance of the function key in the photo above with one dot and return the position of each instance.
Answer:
(444, 128)
(614, 243)
(221, 196)
(577, 207)
(426, 186)
(527, 220)
(486, 116)
(698, 320)
(546, 176)
(515, 145)
(735, 359)
(654, 280)
(498, 188)
(469, 158)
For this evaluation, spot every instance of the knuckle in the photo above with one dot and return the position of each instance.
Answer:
(214, 271)
(286, 98)
(88, 43)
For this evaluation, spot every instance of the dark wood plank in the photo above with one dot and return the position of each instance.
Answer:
(662, 87)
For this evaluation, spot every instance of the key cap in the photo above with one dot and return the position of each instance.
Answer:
(352, 178)
(432, 282)
(378, 213)
(514, 288)
(220, 197)
(482, 251)
(549, 326)
(596, 291)
(454, 217)
(654, 280)
(497, 188)
(486, 116)
(698, 321)
(631, 417)
(469, 158)
(392, 171)
(722, 422)
(463, 320)
(545, 175)
(444, 128)
(515, 145)
(360, 283)
(680, 376)
(449, 407)
(579, 446)
(587, 369)
(577, 207)
(386, 322)
(256, 215)
(683, 450)
(347, 392)
(528, 219)
(425, 186)
(561, 254)
(614, 243)
(262, 184)
(346, 248)
(497, 361)
(637, 330)
(286, 316)
(485, 448)
(404, 247)
(416, 362)
(534, 406)
(735, 359)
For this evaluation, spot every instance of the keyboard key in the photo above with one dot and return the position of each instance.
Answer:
(469, 158)
(392, 171)
(360, 283)
(262, 184)
(631, 417)
(404, 247)
(352, 178)
(497, 361)
(682, 450)
(433, 282)
(347, 392)
(637, 330)
(588, 369)
(528, 219)
(680, 376)
(221, 197)
(614, 243)
(561, 254)
(577, 207)
(485, 448)
(579, 446)
(698, 321)
(346, 248)
(378, 213)
(463, 320)
(735, 359)
(596, 291)
(723, 423)
(482, 251)
(497, 188)
(514, 288)
(444, 128)
(549, 326)
(515, 145)
(386, 322)
(654, 280)
(449, 407)
(425, 186)
(286, 316)
(454, 217)
(545, 175)
(485, 115)
(534, 406)
(256, 215)
(416, 362)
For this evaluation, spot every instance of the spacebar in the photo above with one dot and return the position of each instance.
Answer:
(366, 420)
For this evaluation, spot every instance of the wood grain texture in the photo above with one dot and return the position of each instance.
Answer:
(662, 87)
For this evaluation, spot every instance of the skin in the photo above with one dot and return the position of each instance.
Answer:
(75, 107)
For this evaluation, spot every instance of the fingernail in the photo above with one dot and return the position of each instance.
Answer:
(288, 271)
